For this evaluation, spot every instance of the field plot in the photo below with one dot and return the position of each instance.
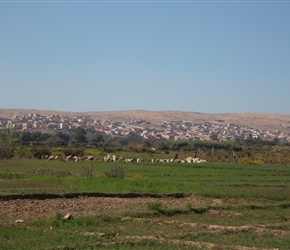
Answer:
(85, 205)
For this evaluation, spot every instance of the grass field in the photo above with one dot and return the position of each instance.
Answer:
(150, 205)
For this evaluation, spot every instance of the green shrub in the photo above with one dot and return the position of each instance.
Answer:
(23, 152)
(37, 152)
(257, 162)
(58, 216)
(88, 171)
(115, 172)
(155, 206)
(251, 162)
(100, 175)
(159, 208)
(73, 151)
(140, 177)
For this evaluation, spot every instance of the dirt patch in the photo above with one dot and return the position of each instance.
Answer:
(47, 206)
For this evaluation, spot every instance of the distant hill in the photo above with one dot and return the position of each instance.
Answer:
(264, 121)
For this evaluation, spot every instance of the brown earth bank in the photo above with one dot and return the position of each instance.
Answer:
(45, 206)
(264, 121)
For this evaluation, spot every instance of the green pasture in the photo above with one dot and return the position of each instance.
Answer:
(220, 180)
(254, 211)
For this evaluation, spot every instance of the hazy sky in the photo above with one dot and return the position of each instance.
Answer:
(201, 56)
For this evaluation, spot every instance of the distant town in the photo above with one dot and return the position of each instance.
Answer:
(166, 130)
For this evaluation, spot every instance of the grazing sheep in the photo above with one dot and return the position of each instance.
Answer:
(50, 158)
(188, 159)
(91, 158)
(129, 160)
(69, 158)
(107, 158)
(121, 158)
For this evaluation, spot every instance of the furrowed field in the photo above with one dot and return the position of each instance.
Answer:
(130, 205)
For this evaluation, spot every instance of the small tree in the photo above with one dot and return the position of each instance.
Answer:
(55, 141)
(9, 143)
(63, 136)
(80, 135)
(96, 138)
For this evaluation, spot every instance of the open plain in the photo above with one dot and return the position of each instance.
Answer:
(155, 206)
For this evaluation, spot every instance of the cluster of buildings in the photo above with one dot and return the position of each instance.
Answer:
(167, 130)
(218, 132)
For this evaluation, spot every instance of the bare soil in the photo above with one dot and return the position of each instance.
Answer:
(31, 208)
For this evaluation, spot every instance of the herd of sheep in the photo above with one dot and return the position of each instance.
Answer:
(114, 158)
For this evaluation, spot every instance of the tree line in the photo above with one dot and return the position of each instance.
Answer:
(17, 143)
